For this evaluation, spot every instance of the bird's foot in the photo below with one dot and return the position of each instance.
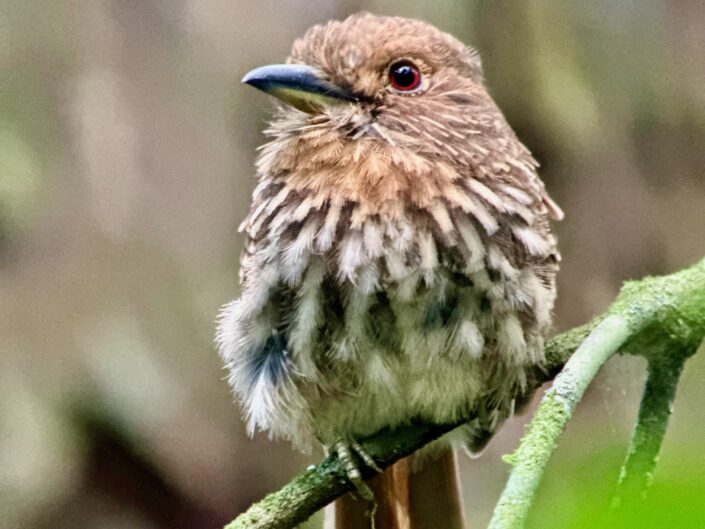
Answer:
(345, 449)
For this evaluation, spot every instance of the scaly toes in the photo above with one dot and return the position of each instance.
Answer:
(345, 449)
(365, 456)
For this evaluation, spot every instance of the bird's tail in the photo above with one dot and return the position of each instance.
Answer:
(407, 498)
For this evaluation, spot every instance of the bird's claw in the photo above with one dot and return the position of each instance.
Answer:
(345, 449)
(365, 456)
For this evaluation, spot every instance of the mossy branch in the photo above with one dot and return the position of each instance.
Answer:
(654, 413)
(658, 318)
(550, 419)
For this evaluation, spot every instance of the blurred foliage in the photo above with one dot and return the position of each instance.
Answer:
(126, 154)
(19, 183)
(578, 491)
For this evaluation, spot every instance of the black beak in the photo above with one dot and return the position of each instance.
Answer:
(298, 85)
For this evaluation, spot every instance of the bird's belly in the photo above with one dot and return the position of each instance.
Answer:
(444, 391)
(433, 357)
(315, 353)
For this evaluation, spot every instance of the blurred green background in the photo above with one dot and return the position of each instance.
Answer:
(126, 153)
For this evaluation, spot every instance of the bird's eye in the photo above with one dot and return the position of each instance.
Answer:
(404, 76)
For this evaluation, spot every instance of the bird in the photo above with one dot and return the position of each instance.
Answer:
(399, 262)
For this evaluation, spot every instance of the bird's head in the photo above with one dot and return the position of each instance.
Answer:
(383, 108)
(372, 62)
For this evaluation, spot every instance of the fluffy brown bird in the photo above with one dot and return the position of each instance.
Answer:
(399, 260)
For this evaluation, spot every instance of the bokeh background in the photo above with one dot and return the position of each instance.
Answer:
(126, 154)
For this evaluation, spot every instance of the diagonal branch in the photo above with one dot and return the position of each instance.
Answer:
(662, 318)
(551, 418)
(652, 316)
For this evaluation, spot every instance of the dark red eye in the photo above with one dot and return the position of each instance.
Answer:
(404, 76)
